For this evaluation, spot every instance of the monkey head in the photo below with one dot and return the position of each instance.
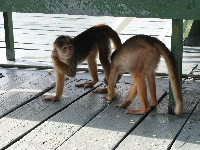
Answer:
(64, 46)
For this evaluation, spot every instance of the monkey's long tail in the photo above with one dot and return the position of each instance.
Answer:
(111, 34)
(115, 39)
(175, 83)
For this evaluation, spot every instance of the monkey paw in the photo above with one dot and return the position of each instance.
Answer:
(138, 111)
(53, 99)
(85, 85)
(101, 90)
(124, 104)
(153, 103)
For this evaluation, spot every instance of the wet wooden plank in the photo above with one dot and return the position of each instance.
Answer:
(19, 86)
(12, 75)
(32, 114)
(189, 137)
(159, 129)
(83, 121)
(110, 126)
(53, 132)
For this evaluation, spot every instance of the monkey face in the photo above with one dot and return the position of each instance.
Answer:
(64, 46)
(65, 52)
(68, 50)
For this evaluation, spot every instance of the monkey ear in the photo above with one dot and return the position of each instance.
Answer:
(55, 50)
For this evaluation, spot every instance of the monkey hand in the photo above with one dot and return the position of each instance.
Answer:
(53, 99)
(54, 54)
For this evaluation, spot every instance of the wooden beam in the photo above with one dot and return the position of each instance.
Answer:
(9, 38)
(177, 52)
(192, 32)
(172, 9)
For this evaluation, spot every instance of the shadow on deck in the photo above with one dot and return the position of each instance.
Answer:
(84, 120)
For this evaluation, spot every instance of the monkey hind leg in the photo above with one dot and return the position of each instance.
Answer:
(104, 56)
(101, 90)
(131, 95)
(92, 65)
(142, 92)
(152, 88)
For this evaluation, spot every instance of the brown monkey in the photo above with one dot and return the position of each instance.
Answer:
(69, 52)
(140, 56)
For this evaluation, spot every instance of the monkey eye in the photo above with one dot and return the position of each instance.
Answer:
(65, 47)
(70, 46)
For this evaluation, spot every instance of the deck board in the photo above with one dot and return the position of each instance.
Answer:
(34, 112)
(76, 116)
(159, 129)
(86, 122)
(18, 87)
(86, 117)
(53, 132)
(189, 137)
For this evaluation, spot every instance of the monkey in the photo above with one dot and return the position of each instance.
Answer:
(140, 55)
(69, 52)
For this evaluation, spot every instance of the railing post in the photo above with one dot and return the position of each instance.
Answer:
(9, 37)
(177, 52)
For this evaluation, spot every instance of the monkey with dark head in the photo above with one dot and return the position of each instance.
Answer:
(69, 52)
(140, 56)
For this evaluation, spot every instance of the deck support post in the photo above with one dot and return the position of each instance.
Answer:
(177, 52)
(9, 37)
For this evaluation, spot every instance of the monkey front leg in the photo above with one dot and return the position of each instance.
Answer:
(92, 65)
(59, 68)
(60, 83)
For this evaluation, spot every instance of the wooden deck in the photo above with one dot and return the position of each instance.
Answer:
(84, 120)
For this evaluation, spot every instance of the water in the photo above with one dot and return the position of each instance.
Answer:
(34, 34)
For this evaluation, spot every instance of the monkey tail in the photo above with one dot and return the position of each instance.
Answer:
(111, 34)
(175, 83)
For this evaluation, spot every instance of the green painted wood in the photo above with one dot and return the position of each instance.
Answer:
(173, 9)
(186, 28)
(193, 34)
(177, 52)
(9, 37)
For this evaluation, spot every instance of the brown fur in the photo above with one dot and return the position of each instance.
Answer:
(69, 52)
(140, 56)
